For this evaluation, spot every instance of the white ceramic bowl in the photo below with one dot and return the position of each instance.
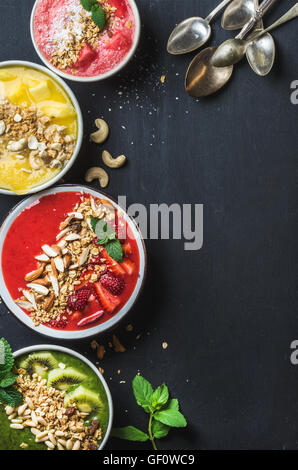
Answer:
(56, 178)
(95, 78)
(51, 347)
(92, 331)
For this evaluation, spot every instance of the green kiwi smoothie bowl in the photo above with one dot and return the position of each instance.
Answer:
(58, 400)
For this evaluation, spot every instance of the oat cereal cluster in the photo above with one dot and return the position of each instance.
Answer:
(44, 413)
(27, 133)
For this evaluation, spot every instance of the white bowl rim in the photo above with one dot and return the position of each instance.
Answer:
(66, 88)
(71, 352)
(95, 78)
(92, 331)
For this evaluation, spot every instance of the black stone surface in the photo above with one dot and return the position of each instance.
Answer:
(228, 311)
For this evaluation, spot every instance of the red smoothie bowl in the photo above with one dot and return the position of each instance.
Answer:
(73, 262)
(73, 46)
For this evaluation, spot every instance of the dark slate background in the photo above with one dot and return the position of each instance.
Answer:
(228, 311)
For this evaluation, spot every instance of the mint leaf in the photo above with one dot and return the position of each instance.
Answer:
(93, 222)
(8, 357)
(10, 397)
(160, 430)
(173, 404)
(88, 4)
(171, 418)
(8, 380)
(143, 391)
(130, 433)
(160, 397)
(114, 250)
(98, 16)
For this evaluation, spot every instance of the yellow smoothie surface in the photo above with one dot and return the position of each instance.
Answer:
(38, 128)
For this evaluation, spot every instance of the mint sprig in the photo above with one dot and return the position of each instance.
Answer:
(106, 236)
(164, 413)
(8, 394)
(97, 12)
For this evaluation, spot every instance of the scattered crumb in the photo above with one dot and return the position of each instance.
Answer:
(118, 371)
(94, 345)
(101, 370)
(129, 327)
(164, 345)
(122, 382)
(61, 365)
(138, 336)
(118, 347)
(162, 78)
(23, 445)
(110, 344)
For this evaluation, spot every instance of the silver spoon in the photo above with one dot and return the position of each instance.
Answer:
(192, 33)
(237, 14)
(233, 50)
(260, 54)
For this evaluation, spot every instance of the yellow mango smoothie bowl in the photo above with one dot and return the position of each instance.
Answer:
(41, 128)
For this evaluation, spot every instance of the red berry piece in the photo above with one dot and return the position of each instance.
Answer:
(112, 283)
(79, 299)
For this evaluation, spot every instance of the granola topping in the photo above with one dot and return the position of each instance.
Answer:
(50, 421)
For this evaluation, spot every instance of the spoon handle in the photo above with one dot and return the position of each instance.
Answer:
(216, 10)
(258, 15)
(292, 13)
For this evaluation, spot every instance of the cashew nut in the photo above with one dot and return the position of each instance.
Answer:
(100, 174)
(15, 146)
(35, 162)
(103, 131)
(113, 162)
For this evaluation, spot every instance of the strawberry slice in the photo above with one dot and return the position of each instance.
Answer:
(108, 301)
(128, 266)
(112, 264)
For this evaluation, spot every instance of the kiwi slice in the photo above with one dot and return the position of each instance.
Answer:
(86, 400)
(63, 379)
(39, 363)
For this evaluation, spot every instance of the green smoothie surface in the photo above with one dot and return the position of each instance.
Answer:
(11, 439)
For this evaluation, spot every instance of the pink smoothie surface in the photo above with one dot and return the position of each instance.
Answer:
(51, 30)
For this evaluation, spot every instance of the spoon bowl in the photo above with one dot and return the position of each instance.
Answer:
(237, 14)
(202, 78)
(261, 54)
(229, 52)
(188, 36)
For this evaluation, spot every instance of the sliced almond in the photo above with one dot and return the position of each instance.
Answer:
(62, 244)
(29, 296)
(65, 223)
(59, 263)
(43, 258)
(84, 256)
(67, 260)
(57, 248)
(43, 281)
(49, 251)
(65, 251)
(55, 285)
(49, 302)
(72, 237)
(54, 269)
(73, 266)
(42, 290)
(62, 233)
(34, 274)
(76, 215)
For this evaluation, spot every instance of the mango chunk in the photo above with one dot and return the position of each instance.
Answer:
(18, 95)
(57, 110)
(41, 92)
